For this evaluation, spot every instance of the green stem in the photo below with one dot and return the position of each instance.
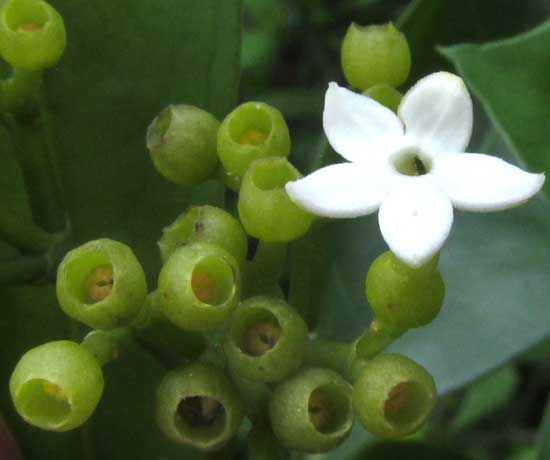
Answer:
(19, 91)
(22, 234)
(332, 355)
(106, 346)
(38, 173)
(308, 257)
(23, 270)
(376, 339)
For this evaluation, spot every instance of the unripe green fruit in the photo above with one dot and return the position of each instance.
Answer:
(182, 144)
(32, 34)
(393, 396)
(56, 386)
(101, 284)
(206, 224)
(253, 130)
(401, 296)
(312, 411)
(265, 209)
(199, 286)
(266, 340)
(199, 406)
(375, 54)
(386, 95)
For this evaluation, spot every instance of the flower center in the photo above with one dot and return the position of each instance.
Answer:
(411, 163)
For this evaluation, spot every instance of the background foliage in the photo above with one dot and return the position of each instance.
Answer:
(128, 59)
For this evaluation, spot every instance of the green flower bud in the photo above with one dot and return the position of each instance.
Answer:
(32, 34)
(312, 411)
(206, 224)
(385, 94)
(266, 340)
(182, 144)
(253, 130)
(375, 54)
(56, 386)
(199, 286)
(393, 396)
(101, 284)
(401, 296)
(265, 209)
(199, 406)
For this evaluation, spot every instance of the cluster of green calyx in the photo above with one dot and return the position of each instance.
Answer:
(236, 343)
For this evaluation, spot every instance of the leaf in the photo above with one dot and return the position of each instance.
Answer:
(429, 23)
(510, 78)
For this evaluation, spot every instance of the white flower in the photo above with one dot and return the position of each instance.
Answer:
(386, 154)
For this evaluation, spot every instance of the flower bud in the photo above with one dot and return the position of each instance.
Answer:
(375, 54)
(199, 286)
(253, 130)
(206, 224)
(401, 296)
(266, 340)
(199, 406)
(182, 144)
(393, 396)
(265, 209)
(312, 411)
(32, 34)
(385, 95)
(101, 284)
(56, 386)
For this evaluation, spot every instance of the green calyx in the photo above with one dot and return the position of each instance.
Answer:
(207, 224)
(401, 296)
(386, 95)
(312, 411)
(266, 340)
(199, 406)
(101, 284)
(56, 386)
(32, 34)
(265, 209)
(182, 144)
(393, 396)
(253, 130)
(375, 54)
(199, 286)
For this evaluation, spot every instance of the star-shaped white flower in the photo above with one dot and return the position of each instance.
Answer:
(387, 153)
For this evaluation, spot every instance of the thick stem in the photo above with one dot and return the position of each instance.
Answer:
(38, 173)
(332, 355)
(22, 234)
(308, 258)
(376, 339)
(19, 91)
(23, 270)
(106, 346)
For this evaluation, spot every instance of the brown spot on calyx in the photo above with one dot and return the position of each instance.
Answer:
(30, 27)
(318, 408)
(398, 397)
(204, 287)
(262, 337)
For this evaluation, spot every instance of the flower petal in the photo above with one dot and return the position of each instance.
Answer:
(341, 190)
(437, 113)
(477, 182)
(415, 221)
(356, 126)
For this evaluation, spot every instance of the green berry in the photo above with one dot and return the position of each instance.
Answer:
(56, 386)
(375, 54)
(385, 95)
(312, 411)
(199, 286)
(253, 130)
(101, 284)
(182, 144)
(206, 224)
(265, 209)
(199, 406)
(401, 296)
(393, 396)
(32, 34)
(266, 340)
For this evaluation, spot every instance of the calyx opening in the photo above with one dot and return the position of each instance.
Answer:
(200, 417)
(99, 283)
(412, 163)
(406, 404)
(329, 408)
(213, 281)
(43, 402)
